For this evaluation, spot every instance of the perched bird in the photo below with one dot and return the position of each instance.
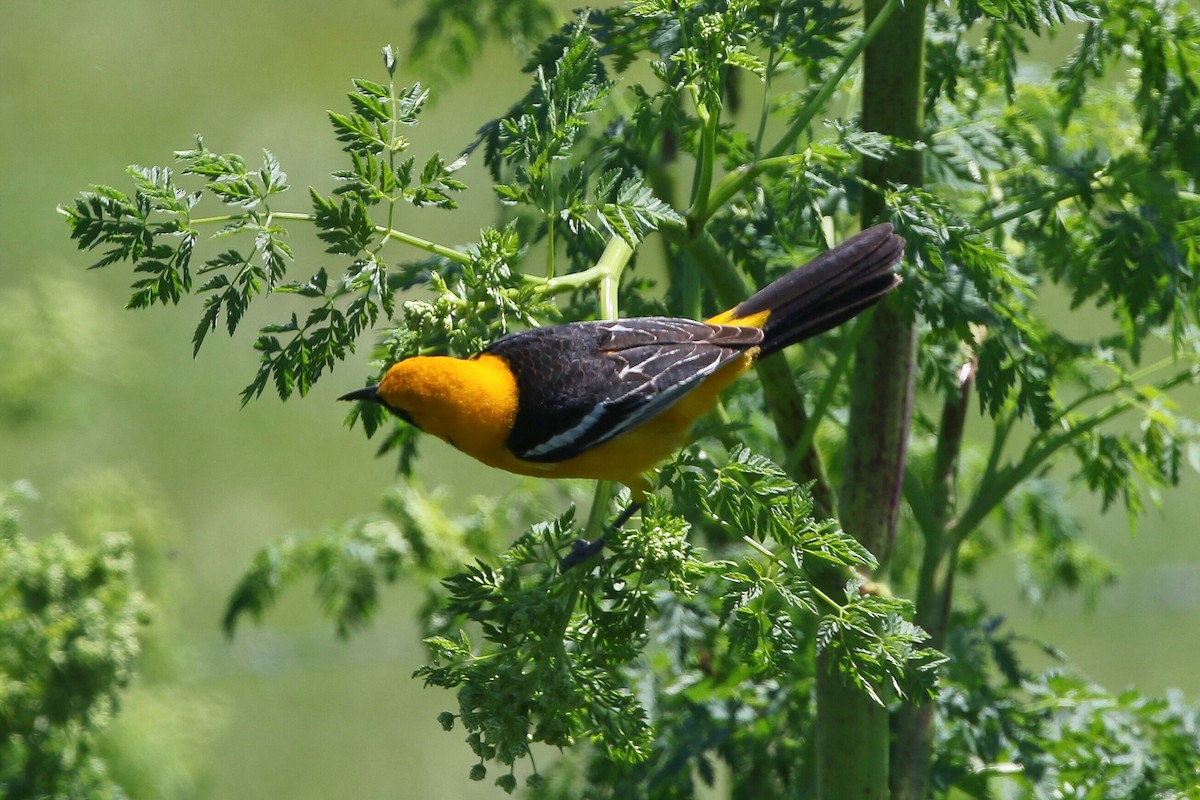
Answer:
(612, 399)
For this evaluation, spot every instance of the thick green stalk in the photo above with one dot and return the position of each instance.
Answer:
(913, 724)
(882, 381)
(608, 270)
(852, 731)
(734, 183)
(702, 181)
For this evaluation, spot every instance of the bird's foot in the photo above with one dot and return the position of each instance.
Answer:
(581, 550)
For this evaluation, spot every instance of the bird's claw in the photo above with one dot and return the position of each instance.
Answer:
(581, 550)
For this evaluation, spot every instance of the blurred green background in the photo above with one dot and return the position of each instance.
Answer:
(285, 710)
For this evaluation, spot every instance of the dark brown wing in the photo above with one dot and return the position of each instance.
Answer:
(584, 383)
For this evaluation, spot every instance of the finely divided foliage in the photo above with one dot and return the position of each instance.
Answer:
(694, 641)
(73, 624)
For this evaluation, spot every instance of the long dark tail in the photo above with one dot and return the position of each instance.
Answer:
(826, 291)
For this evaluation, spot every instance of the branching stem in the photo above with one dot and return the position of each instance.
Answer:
(457, 256)
(737, 180)
(998, 481)
(607, 273)
(837, 608)
(703, 178)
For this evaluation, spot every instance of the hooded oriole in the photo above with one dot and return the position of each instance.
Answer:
(611, 399)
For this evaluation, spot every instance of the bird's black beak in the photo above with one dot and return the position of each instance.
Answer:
(367, 393)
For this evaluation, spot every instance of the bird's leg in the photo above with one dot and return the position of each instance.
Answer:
(583, 549)
(633, 507)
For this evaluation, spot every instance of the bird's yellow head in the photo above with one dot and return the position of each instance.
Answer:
(471, 403)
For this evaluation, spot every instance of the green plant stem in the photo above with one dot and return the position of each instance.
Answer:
(765, 112)
(943, 537)
(703, 178)
(737, 180)
(1040, 204)
(551, 216)
(942, 500)
(913, 724)
(386, 232)
(834, 605)
(611, 264)
(457, 256)
(852, 733)
(607, 273)
(393, 152)
(998, 481)
(598, 515)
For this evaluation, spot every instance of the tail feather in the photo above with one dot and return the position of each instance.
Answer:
(826, 291)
